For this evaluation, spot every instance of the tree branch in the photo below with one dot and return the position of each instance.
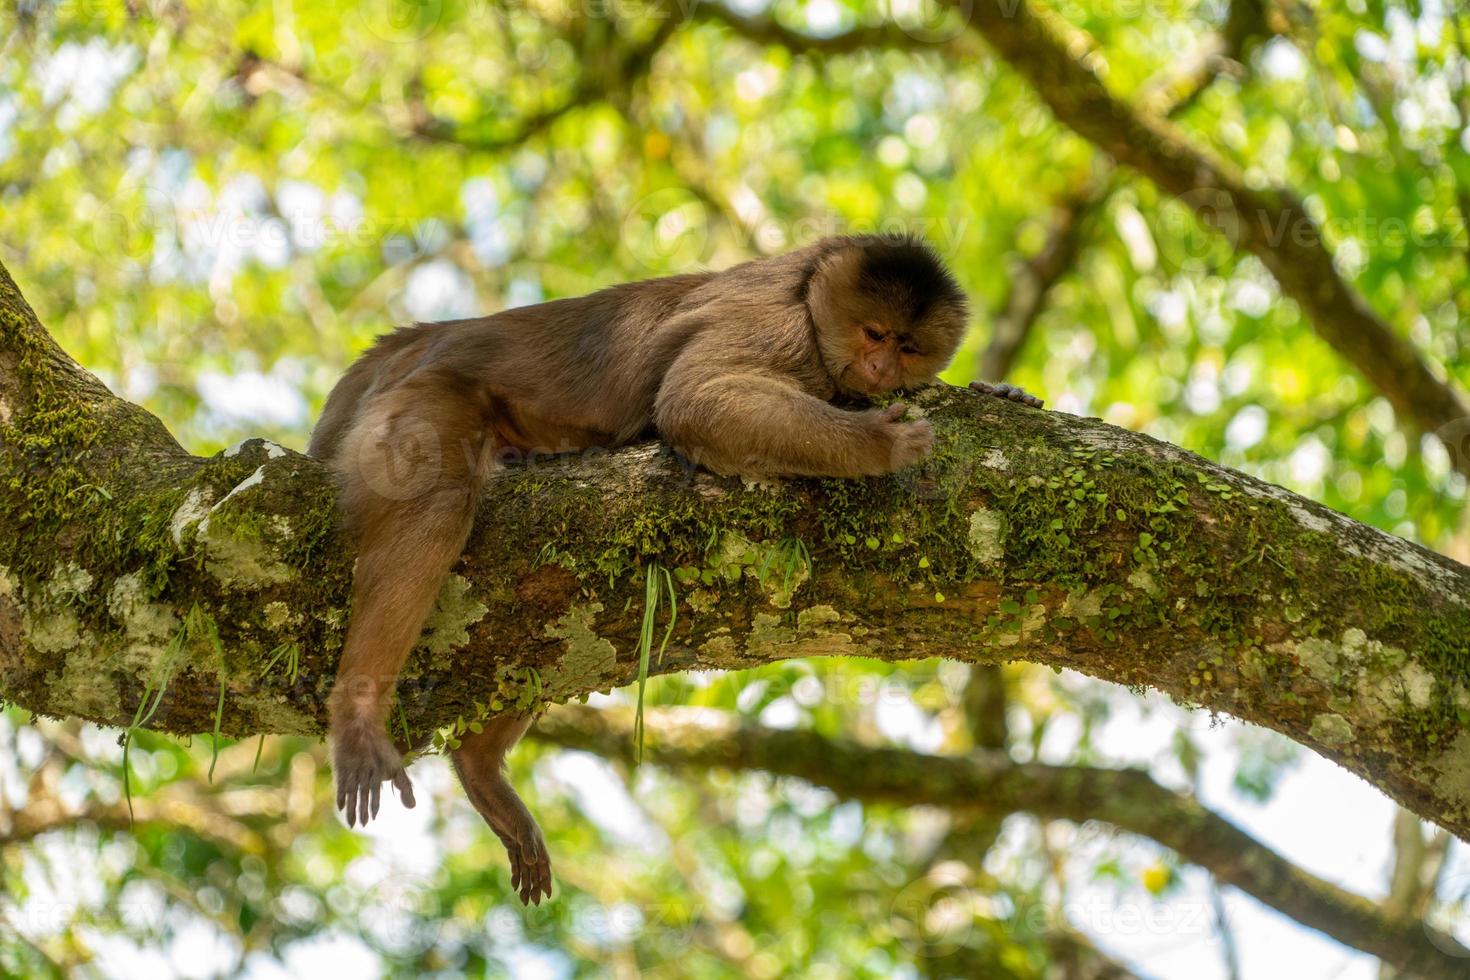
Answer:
(768, 30)
(1271, 224)
(1169, 93)
(991, 784)
(1029, 535)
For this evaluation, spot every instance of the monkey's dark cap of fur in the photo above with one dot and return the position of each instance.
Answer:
(909, 274)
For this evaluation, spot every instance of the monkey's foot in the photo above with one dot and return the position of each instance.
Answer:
(364, 758)
(1006, 391)
(530, 863)
(503, 810)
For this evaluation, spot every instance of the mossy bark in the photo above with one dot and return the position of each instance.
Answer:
(135, 574)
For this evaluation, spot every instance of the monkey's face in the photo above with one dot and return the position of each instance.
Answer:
(887, 353)
(888, 316)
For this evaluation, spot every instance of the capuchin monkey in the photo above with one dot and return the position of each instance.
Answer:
(737, 370)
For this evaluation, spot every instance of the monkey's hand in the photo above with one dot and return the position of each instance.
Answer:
(906, 442)
(1008, 392)
(363, 758)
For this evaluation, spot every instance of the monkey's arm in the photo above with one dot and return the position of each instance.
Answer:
(757, 423)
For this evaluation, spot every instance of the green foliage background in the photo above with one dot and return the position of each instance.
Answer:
(216, 206)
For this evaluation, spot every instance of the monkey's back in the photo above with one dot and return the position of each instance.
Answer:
(553, 362)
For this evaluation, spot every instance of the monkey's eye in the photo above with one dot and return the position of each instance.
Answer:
(908, 349)
(874, 335)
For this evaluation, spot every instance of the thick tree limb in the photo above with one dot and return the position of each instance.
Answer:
(991, 784)
(1029, 535)
(1271, 224)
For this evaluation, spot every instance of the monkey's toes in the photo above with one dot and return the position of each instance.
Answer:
(530, 861)
(1009, 392)
(530, 870)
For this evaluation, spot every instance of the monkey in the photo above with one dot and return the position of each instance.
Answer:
(737, 370)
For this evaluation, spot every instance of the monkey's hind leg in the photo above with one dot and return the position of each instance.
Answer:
(480, 762)
(411, 469)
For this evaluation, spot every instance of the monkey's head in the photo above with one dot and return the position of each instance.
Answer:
(888, 314)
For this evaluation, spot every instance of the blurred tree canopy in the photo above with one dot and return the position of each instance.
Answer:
(216, 206)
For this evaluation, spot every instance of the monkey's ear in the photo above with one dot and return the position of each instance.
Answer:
(833, 285)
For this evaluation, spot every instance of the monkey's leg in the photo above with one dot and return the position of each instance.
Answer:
(480, 762)
(412, 467)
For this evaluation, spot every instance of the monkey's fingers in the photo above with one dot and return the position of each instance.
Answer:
(893, 412)
(404, 785)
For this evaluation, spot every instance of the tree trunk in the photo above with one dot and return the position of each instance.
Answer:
(144, 586)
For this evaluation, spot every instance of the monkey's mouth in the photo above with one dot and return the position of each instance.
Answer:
(851, 382)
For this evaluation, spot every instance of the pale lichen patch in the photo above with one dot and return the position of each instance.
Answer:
(1380, 678)
(812, 636)
(985, 536)
(242, 561)
(273, 712)
(1453, 769)
(455, 611)
(1417, 684)
(1332, 729)
(585, 653)
(253, 480)
(193, 510)
(51, 629)
(817, 616)
(1082, 603)
(1143, 580)
(995, 459)
(1032, 620)
(148, 626)
(1309, 520)
(69, 579)
(278, 615)
(718, 649)
(86, 687)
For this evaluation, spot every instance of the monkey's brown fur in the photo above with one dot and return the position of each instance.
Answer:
(735, 369)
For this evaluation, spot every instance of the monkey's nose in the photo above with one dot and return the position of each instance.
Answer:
(882, 377)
